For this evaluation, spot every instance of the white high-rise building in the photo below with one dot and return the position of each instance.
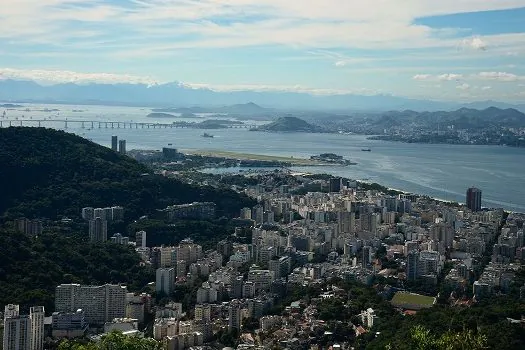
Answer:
(117, 213)
(99, 213)
(37, 315)
(88, 213)
(140, 239)
(17, 333)
(11, 310)
(98, 230)
(100, 303)
(23, 332)
(234, 316)
(165, 280)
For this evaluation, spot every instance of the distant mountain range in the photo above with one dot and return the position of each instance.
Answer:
(178, 95)
(463, 118)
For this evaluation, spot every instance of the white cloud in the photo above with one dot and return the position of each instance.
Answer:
(441, 77)
(423, 77)
(450, 77)
(500, 76)
(475, 43)
(283, 88)
(496, 76)
(485, 88)
(57, 76)
(340, 63)
(463, 86)
(213, 23)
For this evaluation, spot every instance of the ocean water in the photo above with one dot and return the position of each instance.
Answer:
(441, 171)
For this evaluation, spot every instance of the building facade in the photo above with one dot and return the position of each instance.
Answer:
(100, 303)
(474, 199)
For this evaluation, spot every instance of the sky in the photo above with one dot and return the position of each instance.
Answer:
(458, 50)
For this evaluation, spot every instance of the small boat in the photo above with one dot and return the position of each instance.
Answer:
(366, 150)
(207, 135)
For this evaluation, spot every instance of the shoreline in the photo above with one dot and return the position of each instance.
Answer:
(436, 199)
(407, 141)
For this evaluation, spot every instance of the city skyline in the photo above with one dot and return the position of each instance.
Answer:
(451, 50)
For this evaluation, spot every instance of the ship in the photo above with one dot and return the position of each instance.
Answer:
(207, 135)
(366, 150)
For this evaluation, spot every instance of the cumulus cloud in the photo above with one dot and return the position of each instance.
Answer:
(463, 86)
(60, 76)
(450, 77)
(441, 77)
(475, 43)
(340, 63)
(422, 77)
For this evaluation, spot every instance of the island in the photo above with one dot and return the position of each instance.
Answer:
(10, 105)
(332, 158)
(168, 115)
(289, 124)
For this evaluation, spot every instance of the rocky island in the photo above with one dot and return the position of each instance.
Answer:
(289, 124)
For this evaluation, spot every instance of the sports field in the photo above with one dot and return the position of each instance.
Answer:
(412, 301)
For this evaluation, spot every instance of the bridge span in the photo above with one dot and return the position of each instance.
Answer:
(97, 124)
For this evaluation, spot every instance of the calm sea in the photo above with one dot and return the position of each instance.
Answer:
(441, 171)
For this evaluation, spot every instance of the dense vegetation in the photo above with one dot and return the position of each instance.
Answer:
(480, 326)
(58, 173)
(486, 320)
(113, 341)
(206, 233)
(31, 268)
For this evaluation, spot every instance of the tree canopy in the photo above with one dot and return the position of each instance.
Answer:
(113, 341)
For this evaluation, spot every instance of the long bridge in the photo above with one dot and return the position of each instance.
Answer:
(97, 124)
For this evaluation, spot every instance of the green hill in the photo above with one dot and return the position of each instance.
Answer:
(49, 173)
(289, 124)
(31, 268)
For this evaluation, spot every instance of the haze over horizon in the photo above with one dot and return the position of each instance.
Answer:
(458, 51)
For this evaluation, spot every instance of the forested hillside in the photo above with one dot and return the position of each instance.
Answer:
(49, 173)
(31, 267)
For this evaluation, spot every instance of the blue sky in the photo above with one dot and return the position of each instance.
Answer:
(446, 50)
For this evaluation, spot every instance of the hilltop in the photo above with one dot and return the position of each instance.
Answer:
(289, 124)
